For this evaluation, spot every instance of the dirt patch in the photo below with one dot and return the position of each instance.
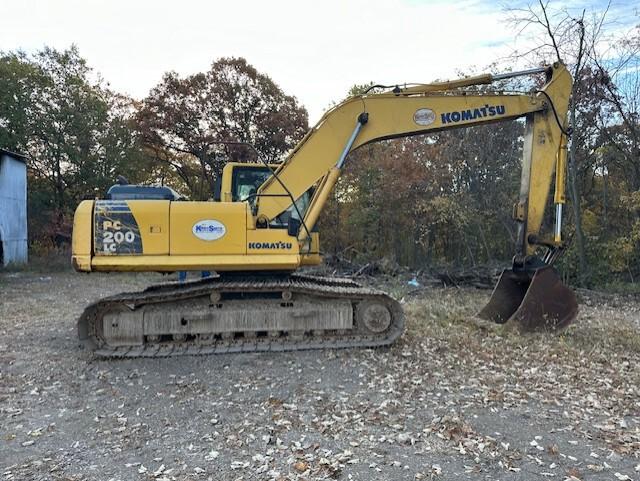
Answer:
(453, 399)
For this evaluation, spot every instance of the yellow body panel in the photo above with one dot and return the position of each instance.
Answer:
(82, 239)
(239, 262)
(313, 257)
(230, 239)
(169, 239)
(271, 241)
(153, 221)
(227, 177)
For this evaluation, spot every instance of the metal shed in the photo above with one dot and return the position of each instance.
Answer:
(13, 208)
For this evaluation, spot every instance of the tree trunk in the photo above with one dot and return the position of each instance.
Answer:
(583, 273)
(605, 196)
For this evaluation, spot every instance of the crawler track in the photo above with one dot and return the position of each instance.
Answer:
(241, 314)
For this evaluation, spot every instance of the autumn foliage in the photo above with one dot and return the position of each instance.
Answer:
(421, 202)
(197, 123)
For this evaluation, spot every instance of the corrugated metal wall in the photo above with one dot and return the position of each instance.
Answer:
(13, 209)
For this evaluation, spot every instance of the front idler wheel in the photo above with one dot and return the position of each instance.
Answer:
(374, 316)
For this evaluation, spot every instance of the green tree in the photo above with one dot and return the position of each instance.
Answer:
(78, 135)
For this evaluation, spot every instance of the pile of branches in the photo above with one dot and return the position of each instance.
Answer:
(482, 277)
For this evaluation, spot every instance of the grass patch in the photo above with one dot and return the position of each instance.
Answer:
(618, 287)
(447, 316)
(610, 337)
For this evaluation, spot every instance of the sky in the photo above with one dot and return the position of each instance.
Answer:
(314, 50)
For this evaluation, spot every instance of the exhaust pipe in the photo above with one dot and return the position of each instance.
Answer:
(535, 302)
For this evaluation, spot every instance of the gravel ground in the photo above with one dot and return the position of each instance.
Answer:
(452, 399)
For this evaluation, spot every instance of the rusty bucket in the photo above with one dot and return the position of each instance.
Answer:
(535, 302)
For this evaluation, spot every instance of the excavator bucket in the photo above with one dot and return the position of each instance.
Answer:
(538, 302)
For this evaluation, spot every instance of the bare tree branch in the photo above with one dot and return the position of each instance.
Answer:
(547, 25)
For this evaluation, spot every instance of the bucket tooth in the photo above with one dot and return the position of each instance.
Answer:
(539, 302)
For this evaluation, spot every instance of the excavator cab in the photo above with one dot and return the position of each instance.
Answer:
(239, 181)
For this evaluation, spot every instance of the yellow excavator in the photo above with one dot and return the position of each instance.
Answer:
(261, 227)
